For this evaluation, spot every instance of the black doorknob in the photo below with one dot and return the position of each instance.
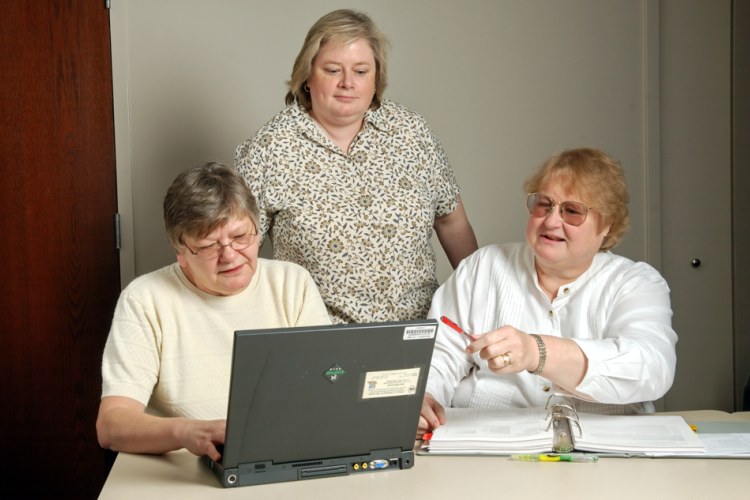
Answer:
(695, 262)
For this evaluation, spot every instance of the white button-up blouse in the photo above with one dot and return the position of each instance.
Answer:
(618, 312)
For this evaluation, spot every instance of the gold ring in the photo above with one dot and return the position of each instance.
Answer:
(506, 360)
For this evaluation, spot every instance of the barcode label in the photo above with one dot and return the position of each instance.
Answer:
(419, 332)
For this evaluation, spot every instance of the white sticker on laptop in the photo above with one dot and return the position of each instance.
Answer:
(419, 332)
(391, 383)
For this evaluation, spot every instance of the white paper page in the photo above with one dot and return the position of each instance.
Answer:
(723, 445)
(471, 446)
(486, 414)
(641, 433)
(726, 444)
(519, 425)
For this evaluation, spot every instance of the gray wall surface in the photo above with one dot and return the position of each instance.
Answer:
(696, 197)
(504, 84)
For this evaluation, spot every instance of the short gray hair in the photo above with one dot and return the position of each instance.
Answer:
(341, 27)
(204, 198)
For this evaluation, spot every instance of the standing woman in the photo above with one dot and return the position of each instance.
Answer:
(350, 185)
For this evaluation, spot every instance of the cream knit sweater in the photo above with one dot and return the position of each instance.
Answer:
(170, 346)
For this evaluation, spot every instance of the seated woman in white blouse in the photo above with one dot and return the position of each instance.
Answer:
(560, 313)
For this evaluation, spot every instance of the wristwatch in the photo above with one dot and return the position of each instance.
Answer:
(542, 354)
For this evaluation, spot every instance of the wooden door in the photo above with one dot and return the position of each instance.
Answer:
(60, 277)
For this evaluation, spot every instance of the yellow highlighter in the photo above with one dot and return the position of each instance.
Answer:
(582, 459)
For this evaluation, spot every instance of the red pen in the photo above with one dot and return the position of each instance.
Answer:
(458, 329)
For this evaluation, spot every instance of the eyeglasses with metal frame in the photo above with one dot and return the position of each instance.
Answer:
(213, 251)
(571, 212)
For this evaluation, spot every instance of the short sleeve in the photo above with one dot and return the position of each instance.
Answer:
(131, 362)
(251, 162)
(444, 183)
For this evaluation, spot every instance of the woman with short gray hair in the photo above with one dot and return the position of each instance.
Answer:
(169, 350)
(204, 198)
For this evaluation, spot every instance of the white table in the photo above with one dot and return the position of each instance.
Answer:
(181, 475)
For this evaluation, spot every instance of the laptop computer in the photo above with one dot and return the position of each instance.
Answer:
(324, 401)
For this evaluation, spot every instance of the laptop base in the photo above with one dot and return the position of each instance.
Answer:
(267, 472)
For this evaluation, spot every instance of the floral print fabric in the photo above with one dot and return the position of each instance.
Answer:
(360, 222)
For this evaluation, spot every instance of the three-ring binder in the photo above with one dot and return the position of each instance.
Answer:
(561, 418)
(487, 431)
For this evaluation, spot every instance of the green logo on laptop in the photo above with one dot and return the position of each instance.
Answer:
(334, 373)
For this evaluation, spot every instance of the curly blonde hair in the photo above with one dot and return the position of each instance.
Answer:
(597, 178)
(341, 27)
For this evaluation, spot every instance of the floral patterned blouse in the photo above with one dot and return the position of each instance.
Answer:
(360, 222)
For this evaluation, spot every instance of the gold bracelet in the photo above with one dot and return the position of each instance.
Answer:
(542, 354)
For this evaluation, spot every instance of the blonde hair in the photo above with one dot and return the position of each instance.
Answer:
(592, 174)
(204, 198)
(341, 27)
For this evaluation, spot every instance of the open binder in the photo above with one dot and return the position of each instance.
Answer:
(558, 428)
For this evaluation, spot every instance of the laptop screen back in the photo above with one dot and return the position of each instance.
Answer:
(324, 392)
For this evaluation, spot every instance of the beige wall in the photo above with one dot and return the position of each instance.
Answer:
(503, 83)
(696, 197)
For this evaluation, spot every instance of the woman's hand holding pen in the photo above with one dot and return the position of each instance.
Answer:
(432, 417)
(507, 350)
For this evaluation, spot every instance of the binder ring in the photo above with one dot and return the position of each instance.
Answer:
(564, 416)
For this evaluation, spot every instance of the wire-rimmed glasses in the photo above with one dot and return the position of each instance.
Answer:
(213, 251)
(571, 212)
